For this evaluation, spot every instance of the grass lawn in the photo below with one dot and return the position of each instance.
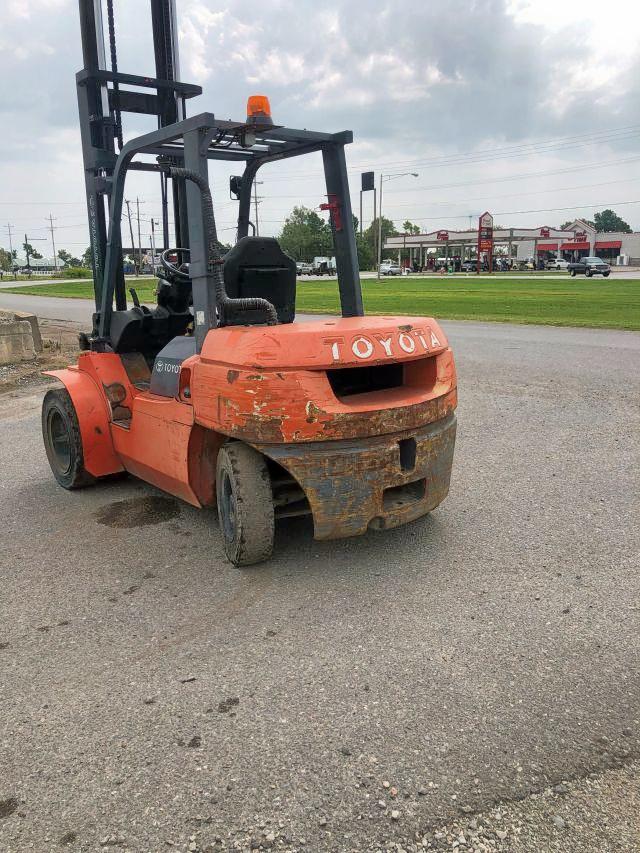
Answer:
(598, 303)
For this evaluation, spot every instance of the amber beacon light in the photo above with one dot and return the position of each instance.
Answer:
(259, 111)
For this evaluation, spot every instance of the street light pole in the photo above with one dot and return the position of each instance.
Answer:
(380, 226)
(386, 178)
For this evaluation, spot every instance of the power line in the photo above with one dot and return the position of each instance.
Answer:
(603, 204)
(519, 195)
(530, 149)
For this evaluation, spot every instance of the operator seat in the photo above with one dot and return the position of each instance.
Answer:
(257, 266)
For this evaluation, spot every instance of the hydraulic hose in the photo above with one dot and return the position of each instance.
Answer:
(227, 306)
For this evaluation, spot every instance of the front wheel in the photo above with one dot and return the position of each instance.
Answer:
(605, 275)
(62, 440)
(587, 273)
(245, 504)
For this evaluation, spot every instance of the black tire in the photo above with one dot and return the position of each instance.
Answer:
(605, 274)
(245, 504)
(62, 440)
(587, 273)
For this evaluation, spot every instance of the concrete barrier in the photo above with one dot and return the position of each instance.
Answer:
(33, 322)
(20, 338)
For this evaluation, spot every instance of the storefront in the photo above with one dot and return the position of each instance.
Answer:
(533, 246)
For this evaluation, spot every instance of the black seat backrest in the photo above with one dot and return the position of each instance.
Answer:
(257, 266)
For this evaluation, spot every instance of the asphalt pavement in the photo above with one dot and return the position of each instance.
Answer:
(346, 696)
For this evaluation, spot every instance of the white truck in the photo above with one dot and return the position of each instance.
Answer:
(324, 266)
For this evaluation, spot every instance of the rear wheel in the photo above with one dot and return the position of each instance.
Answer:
(62, 440)
(245, 504)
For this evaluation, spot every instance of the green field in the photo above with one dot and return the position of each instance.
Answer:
(597, 303)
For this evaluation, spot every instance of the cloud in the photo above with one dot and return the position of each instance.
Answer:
(413, 80)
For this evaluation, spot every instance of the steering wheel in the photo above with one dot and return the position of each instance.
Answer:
(172, 268)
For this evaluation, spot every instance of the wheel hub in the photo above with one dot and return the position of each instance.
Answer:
(60, 441)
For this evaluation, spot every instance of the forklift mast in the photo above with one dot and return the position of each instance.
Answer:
(181, 148)
(101, 103)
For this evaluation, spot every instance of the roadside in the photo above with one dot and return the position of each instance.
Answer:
(598, 813)
(59, 342)
(612, 303)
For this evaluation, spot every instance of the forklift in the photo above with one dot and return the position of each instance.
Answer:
(216, 395)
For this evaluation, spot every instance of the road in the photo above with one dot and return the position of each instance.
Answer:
(154, 697)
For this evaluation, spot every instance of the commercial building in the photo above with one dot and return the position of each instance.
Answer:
(544, 242)
(616, 247)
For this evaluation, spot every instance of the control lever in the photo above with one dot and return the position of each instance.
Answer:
(134, 296)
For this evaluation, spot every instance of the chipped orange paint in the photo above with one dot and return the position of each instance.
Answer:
(278, 390)
(92, 407)
(270, 387)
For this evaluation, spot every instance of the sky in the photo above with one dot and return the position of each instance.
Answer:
(527, 108)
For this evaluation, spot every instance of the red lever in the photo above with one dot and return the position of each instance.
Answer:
(333, 206)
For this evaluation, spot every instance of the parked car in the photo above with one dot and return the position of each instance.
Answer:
(303, 269)
(589, 266)
(390, 268)
(470, 265)
(557, 264)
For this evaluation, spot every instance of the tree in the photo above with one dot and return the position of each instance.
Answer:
(409, 228)
(30, 252)
(608, 220)
(68, 260)
(371, 235)
(6, 261)
(565, 225)
(366, 260)
(87, 257)
(306, 235)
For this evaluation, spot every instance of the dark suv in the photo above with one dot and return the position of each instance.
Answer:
(589, 266)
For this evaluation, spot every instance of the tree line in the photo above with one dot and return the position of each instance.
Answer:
(306, 235)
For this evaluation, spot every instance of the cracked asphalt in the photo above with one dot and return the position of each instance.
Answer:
(153, 697)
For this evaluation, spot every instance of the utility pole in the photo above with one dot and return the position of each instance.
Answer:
(133, 245)
(153, 246)
(9, 227)
(139, 238)
(53, 242)
(255, 202)
(26, 250)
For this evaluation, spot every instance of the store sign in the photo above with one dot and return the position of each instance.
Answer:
(544, 232)
(580, 236)
(442, 235)
(485, 234)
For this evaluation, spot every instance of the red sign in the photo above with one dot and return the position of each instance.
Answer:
(580, 235)
(544, 232)
(442, 235)
(485, 236)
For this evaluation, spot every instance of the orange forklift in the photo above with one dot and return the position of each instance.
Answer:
(216, 394)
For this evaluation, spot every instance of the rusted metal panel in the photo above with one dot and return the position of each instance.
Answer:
(279, 405)
(347, 482)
